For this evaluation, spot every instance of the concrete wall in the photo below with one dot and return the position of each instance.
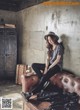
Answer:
(8, 16)
(35, 22)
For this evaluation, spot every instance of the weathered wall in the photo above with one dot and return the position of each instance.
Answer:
(35, 22)
(8, 16)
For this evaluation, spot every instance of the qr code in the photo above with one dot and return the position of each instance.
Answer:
(6, 103)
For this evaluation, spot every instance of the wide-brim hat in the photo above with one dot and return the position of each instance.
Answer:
(51, 34)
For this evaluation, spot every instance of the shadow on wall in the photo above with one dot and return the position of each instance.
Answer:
(19, 28)
(67, 52)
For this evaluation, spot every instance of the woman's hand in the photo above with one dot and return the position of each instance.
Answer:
(55, 62)
(49, 67)
(45, 70)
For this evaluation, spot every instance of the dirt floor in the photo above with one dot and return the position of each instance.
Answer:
(11, 90)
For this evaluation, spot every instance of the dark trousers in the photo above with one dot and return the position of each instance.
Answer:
(38, 68)
(44, 77)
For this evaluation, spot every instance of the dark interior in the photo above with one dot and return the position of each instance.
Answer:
(16, 5)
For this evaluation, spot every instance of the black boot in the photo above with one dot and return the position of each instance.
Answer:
(26, 95)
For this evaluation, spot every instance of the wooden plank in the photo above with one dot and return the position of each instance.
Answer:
(10, 26)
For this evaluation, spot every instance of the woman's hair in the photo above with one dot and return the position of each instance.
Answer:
(55, 39)
(49, 46)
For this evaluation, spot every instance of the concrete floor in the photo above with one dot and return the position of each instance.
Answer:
(11, 90)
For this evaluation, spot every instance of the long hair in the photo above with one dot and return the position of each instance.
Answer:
(49, 46)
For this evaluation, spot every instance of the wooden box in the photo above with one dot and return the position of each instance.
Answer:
(36, 106)
(20, 70)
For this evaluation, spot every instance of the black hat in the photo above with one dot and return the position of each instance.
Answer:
(51, 34)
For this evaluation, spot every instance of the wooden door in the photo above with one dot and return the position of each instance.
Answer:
(2, 53)
(10, 52)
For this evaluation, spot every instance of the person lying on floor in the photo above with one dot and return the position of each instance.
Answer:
(54, 63)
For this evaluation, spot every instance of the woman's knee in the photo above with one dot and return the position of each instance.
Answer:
(33, 65)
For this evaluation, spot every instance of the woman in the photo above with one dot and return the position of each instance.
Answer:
(39, 68)
(53, 64)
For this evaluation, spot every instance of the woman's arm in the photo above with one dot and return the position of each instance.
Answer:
(47, 61)
(55, 62)
(47, 64)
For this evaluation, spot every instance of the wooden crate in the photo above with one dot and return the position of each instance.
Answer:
(36, 106)
(20, 70)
